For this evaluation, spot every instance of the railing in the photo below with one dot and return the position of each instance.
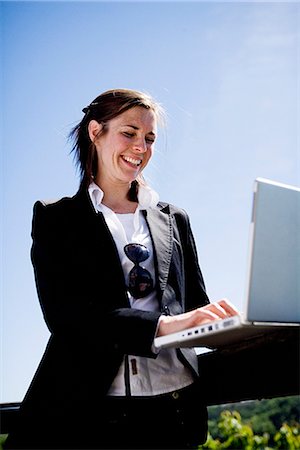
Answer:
(264, 367)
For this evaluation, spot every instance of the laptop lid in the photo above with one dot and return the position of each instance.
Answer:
(273, 276)
(273, 292)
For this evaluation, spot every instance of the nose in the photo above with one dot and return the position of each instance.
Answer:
(140, 145)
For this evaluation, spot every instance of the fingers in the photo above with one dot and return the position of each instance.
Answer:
(227, 306)
(220, 309)
(208, 314)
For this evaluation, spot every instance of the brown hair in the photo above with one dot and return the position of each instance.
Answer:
(105, 107)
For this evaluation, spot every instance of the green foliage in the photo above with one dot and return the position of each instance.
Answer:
(2, 439)
(233, 433)
(264, 416)
(288, 437)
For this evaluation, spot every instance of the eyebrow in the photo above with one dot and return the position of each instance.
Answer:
(137, 128)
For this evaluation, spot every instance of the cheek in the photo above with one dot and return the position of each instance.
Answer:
(148, 155)
(106, 150)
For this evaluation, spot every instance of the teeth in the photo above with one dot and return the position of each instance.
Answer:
(137, 162)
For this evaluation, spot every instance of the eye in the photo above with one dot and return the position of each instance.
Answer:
(127, 134)
(149, 140)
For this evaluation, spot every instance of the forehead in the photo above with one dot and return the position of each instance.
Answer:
(138, 116)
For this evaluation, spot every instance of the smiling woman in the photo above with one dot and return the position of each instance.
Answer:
(106, 107)
(123, 148)
(101, 373)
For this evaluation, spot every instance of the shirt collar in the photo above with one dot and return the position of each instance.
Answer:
(147, 197)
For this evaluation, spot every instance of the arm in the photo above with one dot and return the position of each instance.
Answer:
(209, 313)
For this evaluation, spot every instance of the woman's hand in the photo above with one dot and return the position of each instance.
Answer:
(208, 313)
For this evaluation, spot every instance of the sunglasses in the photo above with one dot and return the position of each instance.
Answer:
(140, 282)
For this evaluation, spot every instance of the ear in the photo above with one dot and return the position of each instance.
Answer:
(94, 129)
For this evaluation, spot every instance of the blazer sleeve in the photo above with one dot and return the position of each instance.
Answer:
(76, 308)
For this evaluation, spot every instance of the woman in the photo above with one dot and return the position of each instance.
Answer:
(115, 268)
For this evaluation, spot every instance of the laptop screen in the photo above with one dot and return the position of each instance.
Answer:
(274, 284)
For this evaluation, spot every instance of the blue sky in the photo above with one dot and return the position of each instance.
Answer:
(227, 74)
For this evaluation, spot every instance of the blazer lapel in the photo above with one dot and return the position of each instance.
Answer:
(161, 230)
(101, 249)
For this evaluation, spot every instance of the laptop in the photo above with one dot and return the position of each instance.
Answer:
(272, 298)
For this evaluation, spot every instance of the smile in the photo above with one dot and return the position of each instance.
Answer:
(136, 162)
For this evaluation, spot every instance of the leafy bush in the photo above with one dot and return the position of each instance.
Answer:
(288, 437)
(234, 434)
(2, 439)
(264, 416)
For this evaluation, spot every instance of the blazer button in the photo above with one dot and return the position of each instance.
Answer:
(166, 310)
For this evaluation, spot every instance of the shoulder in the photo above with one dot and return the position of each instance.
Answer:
(64, 213)
(62, 205)
(173, 210)
(179, 217)
(53, 204)
(52, 208)
(56, 212)
(47, 214)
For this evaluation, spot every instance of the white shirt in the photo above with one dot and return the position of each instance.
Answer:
(147, 376)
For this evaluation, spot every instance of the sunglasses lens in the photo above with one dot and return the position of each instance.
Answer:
(140, 282)
(136, 252)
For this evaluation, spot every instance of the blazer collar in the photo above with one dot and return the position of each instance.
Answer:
(85, 205)
(161, 230)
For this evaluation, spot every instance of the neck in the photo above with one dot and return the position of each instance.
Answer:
(116, 197)
(119, 207)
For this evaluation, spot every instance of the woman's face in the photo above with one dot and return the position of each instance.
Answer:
(126, 146)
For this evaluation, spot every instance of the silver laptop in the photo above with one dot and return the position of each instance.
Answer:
(273, 281)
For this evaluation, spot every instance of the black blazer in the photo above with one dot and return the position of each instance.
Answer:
(82, 293)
